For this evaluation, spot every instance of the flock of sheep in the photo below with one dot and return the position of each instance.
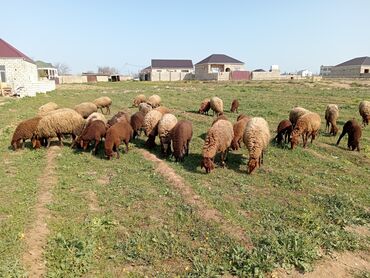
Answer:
(86, 125)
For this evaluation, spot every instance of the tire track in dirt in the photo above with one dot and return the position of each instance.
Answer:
(191, 198)
(36, 235)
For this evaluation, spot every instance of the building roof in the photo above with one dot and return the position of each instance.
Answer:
(162, 64)
(42, 64)
(259, 70)
(359, 61)
(8, 51)
(219, 59)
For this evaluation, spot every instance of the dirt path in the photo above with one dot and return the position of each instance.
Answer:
(36, 235)
(190, 197)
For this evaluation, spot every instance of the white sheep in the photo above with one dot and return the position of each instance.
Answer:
(44, 109)
(295, 113)
(364, 109)
(154, 101)
(165, 125)
(145, 107)
(150, 126)
(103, 102)
(217, 105)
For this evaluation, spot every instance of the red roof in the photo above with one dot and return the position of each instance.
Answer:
(8, 51)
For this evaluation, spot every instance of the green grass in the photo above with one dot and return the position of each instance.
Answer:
(120, 217)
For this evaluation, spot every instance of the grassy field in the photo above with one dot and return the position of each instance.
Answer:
(139, 217)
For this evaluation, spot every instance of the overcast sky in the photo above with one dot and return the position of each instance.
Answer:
(127, 34)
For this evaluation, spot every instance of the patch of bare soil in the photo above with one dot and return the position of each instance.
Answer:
(93, 201)
(36, 235)
(363, 231)
(190, 197)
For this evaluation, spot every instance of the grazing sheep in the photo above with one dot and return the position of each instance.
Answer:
(96, 116)
(221, 116)
(256, 137)
(165, 126)
(118, 117)
(296, 113)
(239, 128)
(56, 123)
(364, 109)
(44, 109)
(217, 105)
(150, 126)
(331, 116)
(234, 106)
(144, 107)
(85, 109)
(94, 131)
(307, 125)
(284, 131)
(23, 132)
(218, 139)
(120, 131)
(180, 136)
(154, 101)
(354, 134)
(241, 116)
(103, 102)
(139, 99)
(205, 106)
(137, 121)
(163, 110)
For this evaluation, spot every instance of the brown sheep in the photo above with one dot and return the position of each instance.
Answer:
(120, 131)
(241, 116)
(136, 122)
(354, 134)
(94, 131)
(331, 116)
(117, 117)
(234, 106)
(239, 128)
(222, 116)
(23, 132)
(307, 125)
(284, 131)
(180, 136)
(163, 110)
(205, 106)
(139, 99)
(296, 113)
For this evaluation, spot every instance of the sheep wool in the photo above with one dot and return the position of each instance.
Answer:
(239, 128)
(24, 131)
(331, 116)
(44, 109)
(217, 105)
(308, 126)
(296, 113)
(151, 121)
(145, 107)
(364, 109)
(205, 106)
(154, 101)
(165, 125)
(85, 109)
(96, 116)
(139, 99)
(103, 102)
(181, 135)
(163, 110)
(256, 137)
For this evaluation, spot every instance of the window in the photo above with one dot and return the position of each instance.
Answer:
(2, 73)
(184, 70)
(366, 71)
(159, 70)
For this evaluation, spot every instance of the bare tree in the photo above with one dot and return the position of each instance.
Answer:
(62, 68)
(107, 70)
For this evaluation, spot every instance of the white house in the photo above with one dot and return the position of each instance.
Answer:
(19, 72)
(304, 73)
(168, 70)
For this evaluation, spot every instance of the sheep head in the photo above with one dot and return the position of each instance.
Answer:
(207, 164)
(36, 143)
(295, 139)
(252, 165)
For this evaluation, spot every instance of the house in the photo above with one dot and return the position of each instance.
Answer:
(220, 67)
(304, 73)
(354, 68)
(325, 70)
(168, 70)
(46, 70)
(19, 72)
(272, 74)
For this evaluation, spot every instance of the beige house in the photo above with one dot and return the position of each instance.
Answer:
(355, 68)
(218, 67)
(168, 70)
(46, 70)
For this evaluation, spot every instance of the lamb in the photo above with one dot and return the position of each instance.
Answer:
(217, 105)
(180, 136)
(94, 131)
(136, 122)
(150, 126)
(165, 126)
(118, 117)
(234, 106)
(239, 128)
(354, 134)
(163, 110)
(218, 139)
(364, 109)
(296, 113)
(103, 102)
(145, 108)
(85, 109)
(154, 101)
(139, 99)
(205, 106)
(256, 137)
(331, 116)
(57, 123)
(307, 125)
(221, 116)
(120, 131)
(284, 131)
(44, 109)
(23, 132)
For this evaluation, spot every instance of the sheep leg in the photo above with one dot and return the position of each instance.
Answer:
(187, 147)
(95, 150)
(48, 144)
(126, 143)
(22, 146)
(341, 136)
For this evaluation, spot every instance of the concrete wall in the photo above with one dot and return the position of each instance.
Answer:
(20, 73)
(268, 75)
(69, 79)
(102, 78)
(165, 75)
(349, 71)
